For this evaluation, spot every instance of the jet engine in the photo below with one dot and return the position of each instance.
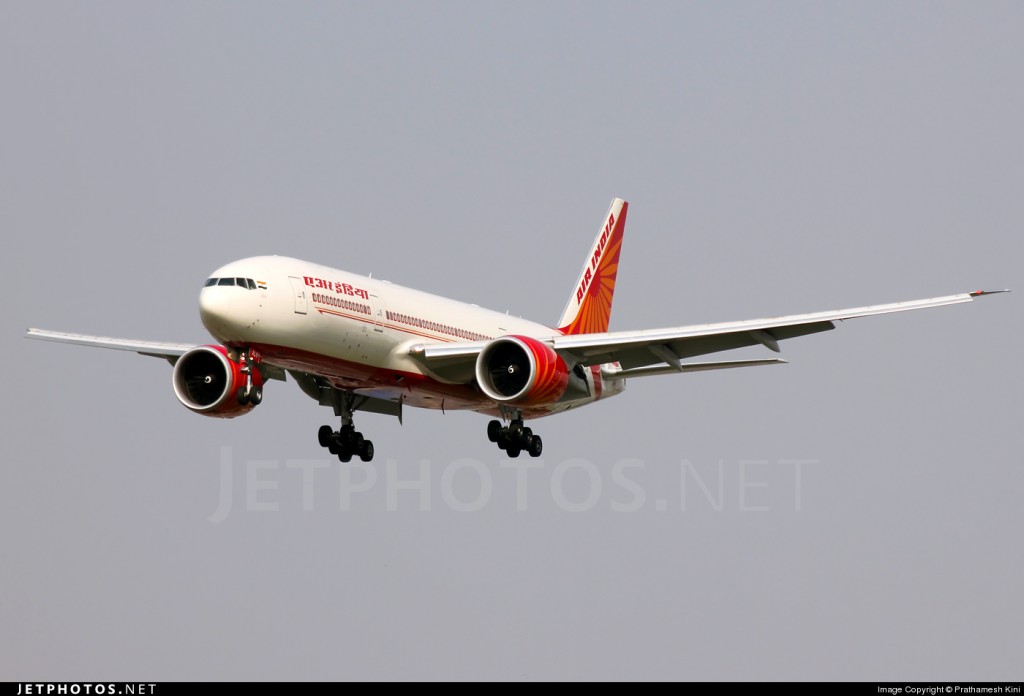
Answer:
(522, 371)
(208, 381)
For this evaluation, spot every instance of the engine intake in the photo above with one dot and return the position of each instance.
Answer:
(206, 380)
(521, 370)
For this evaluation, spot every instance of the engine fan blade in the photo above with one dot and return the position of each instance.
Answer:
(204, 388)
(510, 378)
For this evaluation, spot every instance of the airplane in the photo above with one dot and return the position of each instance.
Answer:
(354, 343)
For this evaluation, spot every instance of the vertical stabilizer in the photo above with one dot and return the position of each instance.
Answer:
(590, 305)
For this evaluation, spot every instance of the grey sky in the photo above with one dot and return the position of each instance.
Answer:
(778, 158)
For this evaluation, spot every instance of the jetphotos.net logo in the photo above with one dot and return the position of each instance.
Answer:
(466, 485)
(85, 689)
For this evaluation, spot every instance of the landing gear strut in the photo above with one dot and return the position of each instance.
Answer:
(250, 393)
(515, 438)
(345, 442)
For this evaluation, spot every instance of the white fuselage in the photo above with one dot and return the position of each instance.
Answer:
(356, 332)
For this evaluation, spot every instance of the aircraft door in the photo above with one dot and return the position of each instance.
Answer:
(379, 313)
(301, 297)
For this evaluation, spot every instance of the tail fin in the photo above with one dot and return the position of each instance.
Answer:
(590, 305)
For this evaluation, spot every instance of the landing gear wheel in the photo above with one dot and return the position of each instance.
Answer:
(243, 398)
(516, 438)
(345, 456)
(256, 396)
(526, 437)
(536, 446)
(366, 451)
(324, 435)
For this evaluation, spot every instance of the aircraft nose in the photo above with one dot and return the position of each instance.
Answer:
(214, 308)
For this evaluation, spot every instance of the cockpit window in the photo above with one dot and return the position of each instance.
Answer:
(245, 283)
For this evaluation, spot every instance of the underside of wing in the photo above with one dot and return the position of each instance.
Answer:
(635, 349)
(611, 372)
(454, 363)
(367, 401)
(632, 351)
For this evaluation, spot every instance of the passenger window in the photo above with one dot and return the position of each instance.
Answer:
(251, 282)
(226, 281)
(211, 281)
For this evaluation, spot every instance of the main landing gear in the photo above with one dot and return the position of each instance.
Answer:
(515, 438)
(345, 442)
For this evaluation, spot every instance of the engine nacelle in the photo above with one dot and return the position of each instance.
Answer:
(207, 380)
(521, 370)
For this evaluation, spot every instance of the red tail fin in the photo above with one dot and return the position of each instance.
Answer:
(590, 306)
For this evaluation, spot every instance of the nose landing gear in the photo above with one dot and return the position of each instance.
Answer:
(252, 392)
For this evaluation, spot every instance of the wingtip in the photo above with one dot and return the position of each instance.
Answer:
(982, 293)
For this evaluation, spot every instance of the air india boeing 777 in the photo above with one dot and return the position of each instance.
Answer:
(357, 344)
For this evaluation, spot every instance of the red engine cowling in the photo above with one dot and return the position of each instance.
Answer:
(521, 370)
(207, 380)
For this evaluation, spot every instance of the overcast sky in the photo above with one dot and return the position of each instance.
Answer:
(778, 158)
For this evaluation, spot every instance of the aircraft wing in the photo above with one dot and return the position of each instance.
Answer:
(168, 351)
(639, 349)
(156, 349)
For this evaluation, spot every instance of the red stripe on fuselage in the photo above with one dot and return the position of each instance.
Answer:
(348, 374)
(414, 389)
